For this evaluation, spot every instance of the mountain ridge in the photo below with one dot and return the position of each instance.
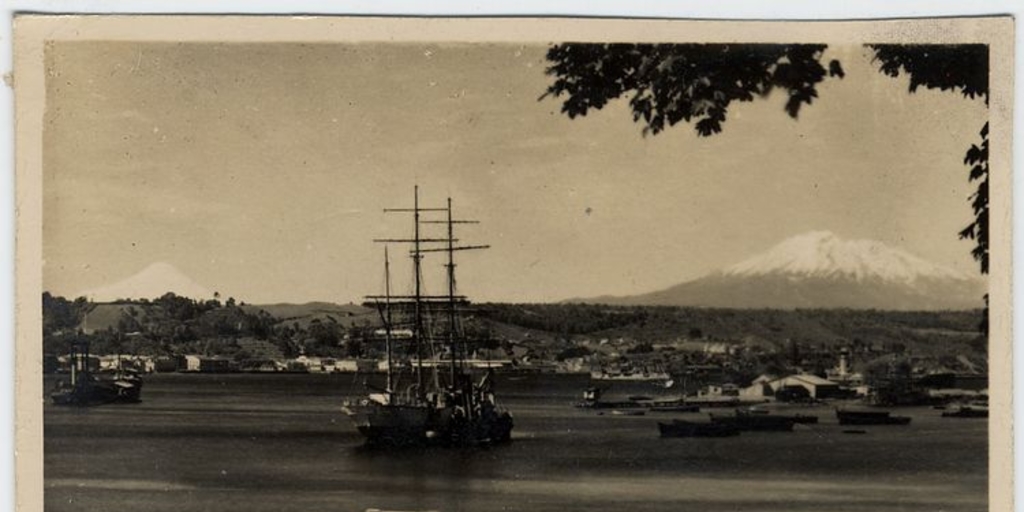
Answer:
(821, 270)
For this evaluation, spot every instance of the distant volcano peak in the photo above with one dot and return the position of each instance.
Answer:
(150, 283)
(824, 254)
(821, 270)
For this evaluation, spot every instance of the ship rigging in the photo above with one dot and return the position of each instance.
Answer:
(451, 412)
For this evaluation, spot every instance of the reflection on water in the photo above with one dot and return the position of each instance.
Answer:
(280, 442)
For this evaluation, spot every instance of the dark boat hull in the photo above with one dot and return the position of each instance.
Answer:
(674, 408)
(596, 404)
(691, 429)
(757, 422)
(966, 413)
(404, 425)
(870, 418)
(639, 402)
(395, 425)
(804, 419)
(90, 392)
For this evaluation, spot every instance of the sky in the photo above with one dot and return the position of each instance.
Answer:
(261, 171)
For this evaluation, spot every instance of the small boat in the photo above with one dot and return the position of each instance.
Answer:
(804, 419)
(628, 412)
(855, 431)
(609, 405)
(680, 428)
(967, 411)
(592, 400)
(847, 417)
(630, 374)
(673, 406)
(86, 388)
(756, 422)
(718, 401)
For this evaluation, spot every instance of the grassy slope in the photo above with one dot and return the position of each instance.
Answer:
(303, 314)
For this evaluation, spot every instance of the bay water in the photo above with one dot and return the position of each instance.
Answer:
(279, 442)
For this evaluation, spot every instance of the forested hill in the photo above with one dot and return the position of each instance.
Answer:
(173, 324)
(811, 326)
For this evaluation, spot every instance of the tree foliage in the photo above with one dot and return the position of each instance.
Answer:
(566, 319)
(977, 158)
(964, 69)
(669, 83)
(61, 314)
(174, 324)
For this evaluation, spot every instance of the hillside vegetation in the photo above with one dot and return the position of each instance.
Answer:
(175, 325)
(667, 323)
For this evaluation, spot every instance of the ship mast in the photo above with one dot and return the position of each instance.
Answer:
(451, 291)
(387, 321)
(418, 299)
(417, 333)
(453, 299)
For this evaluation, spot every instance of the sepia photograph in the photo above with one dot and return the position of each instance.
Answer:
(439, 264)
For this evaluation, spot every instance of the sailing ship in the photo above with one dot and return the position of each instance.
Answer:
(86, 388)
(442, 405)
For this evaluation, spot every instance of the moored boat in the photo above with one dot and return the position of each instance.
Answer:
(632, 374)
(673, 406)
(967, 411)
(680, 428)
(592, 399)
(849, 417)
(87, 388)
(803, 419)
(756, 422)
(628, 412)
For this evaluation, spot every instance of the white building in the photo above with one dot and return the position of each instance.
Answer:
(815, 387)
(192, 363)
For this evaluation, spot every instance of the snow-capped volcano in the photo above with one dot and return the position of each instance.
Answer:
(820, 270)
(150, 283)
(823, 254)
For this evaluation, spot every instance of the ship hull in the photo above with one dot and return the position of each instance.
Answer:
(405, 425)
(966, 412)
(680, 428)
(763, 423)
(633, 377)
(870, 418)
(395, 425)
(90, 391)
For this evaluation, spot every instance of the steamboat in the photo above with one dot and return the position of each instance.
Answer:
(88, 388)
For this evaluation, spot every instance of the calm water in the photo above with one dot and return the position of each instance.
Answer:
(280, 443)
